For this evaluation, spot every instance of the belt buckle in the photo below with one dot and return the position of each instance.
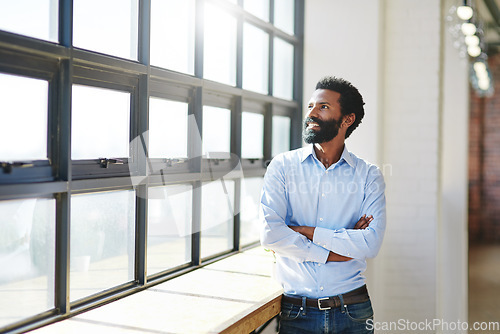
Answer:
(319, 304)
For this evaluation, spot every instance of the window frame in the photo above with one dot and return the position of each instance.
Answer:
(59, 176)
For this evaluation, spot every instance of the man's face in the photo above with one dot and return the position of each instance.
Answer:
(323, 121)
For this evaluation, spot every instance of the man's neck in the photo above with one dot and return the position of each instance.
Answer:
(330, 152)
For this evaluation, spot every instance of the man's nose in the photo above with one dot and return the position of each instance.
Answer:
(313, 112)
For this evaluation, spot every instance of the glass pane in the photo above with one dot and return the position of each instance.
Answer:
(102, 241)
(219, 46)
(23, 114)
(100, 123)
(172, 34)
(167, 128)
(27, 253)
(34, 18)
(255, 59)
(259, 8)
(217, 217)
(252, 135)
(284, 15)
(106, 26)
(281, 134)
(216, 132)
(249, 214)
(283, 69)
(169, 227)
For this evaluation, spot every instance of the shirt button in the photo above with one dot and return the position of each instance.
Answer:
(321, 288)
(319, 264)
(322, 195)
(326, 172)
(321, 219)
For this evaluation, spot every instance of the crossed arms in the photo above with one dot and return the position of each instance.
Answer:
(308, 232)
(320, 244)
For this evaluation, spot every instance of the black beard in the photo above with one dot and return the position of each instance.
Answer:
(327, 130)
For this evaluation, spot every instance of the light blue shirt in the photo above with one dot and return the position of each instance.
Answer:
(299, 191)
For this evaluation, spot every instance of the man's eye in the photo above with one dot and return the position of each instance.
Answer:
(324, 107)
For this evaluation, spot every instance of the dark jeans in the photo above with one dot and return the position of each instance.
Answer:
(344, 319)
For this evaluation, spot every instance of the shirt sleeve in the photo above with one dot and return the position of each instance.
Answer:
(360, 244)
(275, 234)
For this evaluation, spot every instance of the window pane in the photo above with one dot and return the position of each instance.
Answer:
(255, 59)
(102, 241)
(34, 18)
(281, 134)
(27, 253)
(106, 26)
(249, 215)
(100, 123)
(283, 69)
(217, 217)
(23, 114)
(259, 8)
(216, 132)
(219, 46)
(172, 34)
(252, 135)
(169, 227)
(167, 128)
(284, 15)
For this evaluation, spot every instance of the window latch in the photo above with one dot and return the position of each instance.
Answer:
(7, 166)
(105, 162)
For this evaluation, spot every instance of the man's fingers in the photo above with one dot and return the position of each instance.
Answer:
(363, 222)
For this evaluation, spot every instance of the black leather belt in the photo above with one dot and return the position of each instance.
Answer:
(356, 296)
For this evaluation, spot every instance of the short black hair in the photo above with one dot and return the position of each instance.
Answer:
(351, 101)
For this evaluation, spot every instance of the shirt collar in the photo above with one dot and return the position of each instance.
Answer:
(346, 155)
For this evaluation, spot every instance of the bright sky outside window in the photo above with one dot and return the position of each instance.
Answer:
(217, 212)
(252, 135)
(102, 241)
(27, 256)
(34, 18)
(255, 59)
(23, 111)
(169, 227)
(168, 128)
(249, 215)
(106, 26)
(281, 134)
(259, 8)
(172, 35)
(220, 45)
(216, 132)
(100, 123)
(284, 15)
(283, 69)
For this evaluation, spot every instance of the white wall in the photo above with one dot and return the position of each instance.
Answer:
(398, 55)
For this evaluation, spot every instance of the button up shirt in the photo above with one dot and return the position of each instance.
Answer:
(299, 191)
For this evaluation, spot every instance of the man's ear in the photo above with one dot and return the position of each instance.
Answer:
(349, 120)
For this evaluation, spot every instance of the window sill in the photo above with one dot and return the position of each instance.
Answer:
(234, 295)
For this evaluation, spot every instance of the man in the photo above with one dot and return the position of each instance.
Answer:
(323, 214)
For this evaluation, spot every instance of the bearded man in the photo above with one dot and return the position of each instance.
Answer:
(323, 214)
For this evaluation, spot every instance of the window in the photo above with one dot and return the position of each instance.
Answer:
(136, 136)
(23, 129)
(106, 26)
(34, 18)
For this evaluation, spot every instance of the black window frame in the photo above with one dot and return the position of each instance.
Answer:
(59, 177)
